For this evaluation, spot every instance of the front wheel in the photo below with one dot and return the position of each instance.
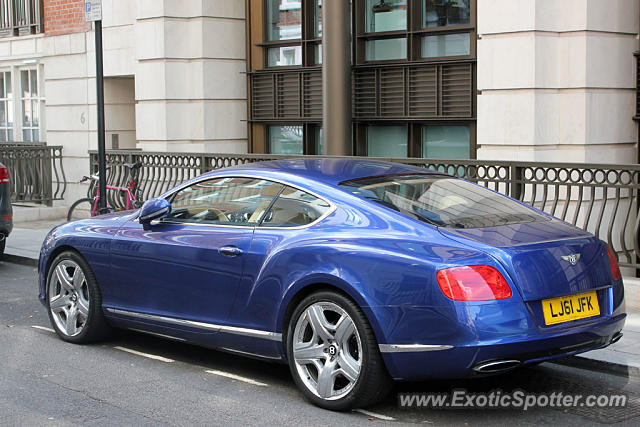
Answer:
(333, 354)
(74, 300)
(81, 209)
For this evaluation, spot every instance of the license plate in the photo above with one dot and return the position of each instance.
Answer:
(572, 307)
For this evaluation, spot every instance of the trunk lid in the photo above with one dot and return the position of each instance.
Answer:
(539, 255)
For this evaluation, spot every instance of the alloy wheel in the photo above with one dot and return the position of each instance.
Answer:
(327, 350)
(69, 297)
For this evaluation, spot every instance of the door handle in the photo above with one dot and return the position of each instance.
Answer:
(230, 251)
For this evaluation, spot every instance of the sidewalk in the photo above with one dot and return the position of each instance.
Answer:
(23, 246)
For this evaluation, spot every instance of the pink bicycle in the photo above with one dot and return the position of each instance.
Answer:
(89, 206)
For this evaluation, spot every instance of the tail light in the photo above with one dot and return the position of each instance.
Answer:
(473, 283)
(615, 268)
(4, 175)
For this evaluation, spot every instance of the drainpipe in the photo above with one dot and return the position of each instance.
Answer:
(336, 78)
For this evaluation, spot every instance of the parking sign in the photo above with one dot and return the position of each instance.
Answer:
(93, 10)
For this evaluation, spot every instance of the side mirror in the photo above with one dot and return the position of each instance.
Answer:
(154, 209)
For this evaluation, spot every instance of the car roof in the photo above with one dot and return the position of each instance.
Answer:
(328, 170)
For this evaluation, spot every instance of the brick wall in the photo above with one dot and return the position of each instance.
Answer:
(64, 17)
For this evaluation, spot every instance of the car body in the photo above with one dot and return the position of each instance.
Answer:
(174, 279)
(6, 211)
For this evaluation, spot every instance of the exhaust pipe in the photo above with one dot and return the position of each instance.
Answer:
(614, 339)
(496, 366)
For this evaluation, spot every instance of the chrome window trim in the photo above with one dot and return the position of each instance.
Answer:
(408, 348)
(257, 333)
(332, 206)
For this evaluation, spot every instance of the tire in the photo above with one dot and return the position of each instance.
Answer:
(80, 209)
(2, 246)
(353, 346)
(74, 303)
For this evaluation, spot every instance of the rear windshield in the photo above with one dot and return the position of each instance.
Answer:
(442, 201)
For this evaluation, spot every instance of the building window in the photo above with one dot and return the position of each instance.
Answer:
(446, 45)
(317, 18)
(318, 139)
(293, 33)
(30, 105)
(386, 49)
(284, 56)
(286, 139)
(387, 141)
(284, 20)
(443, 13)
(381, 16)
(414, 30)
(445, 142)
(6, 107)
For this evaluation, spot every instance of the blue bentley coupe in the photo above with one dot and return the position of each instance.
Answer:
(353, 272)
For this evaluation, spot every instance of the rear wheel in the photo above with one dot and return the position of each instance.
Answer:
(74, 300)
(333, 354)
(2, 246)
(80, 209)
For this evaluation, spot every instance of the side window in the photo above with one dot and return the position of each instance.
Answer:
(295, 208)
(223, 201)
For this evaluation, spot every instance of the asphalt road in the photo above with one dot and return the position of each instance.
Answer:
(44, 381)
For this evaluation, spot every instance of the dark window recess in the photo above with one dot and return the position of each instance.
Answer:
(413, 91)
(286, 95)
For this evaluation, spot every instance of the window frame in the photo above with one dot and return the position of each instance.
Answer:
(309, 143)
(7, 101)
(413, 34)
(33, 100)
(169, 198)
(308, 41)
(414, 135)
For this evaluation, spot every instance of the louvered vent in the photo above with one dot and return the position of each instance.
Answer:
(364, 93)
(423, 91)
(288, 95)
(312, 93)
(262, 94)
(457, 89)
(392, 93)
(414, 92)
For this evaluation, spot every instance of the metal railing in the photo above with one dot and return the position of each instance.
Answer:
(19, 17)
(599, 198)
(36, 174)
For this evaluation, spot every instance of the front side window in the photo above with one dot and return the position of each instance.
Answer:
(223, 201)
(295, 208)
(442, 201)
(6, 107)
(30, 105)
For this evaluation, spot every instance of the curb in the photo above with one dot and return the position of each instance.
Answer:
(21, 260)
(582, 362)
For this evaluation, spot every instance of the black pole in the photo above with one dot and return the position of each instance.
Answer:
(102, 160)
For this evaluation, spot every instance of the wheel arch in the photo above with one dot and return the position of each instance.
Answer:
(309, 286)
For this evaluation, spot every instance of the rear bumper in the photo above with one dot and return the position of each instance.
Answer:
(460, 361)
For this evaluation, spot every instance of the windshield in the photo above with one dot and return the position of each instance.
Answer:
(443, 201)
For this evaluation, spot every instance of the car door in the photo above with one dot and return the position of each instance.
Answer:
(188, 265)
(270, 269)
